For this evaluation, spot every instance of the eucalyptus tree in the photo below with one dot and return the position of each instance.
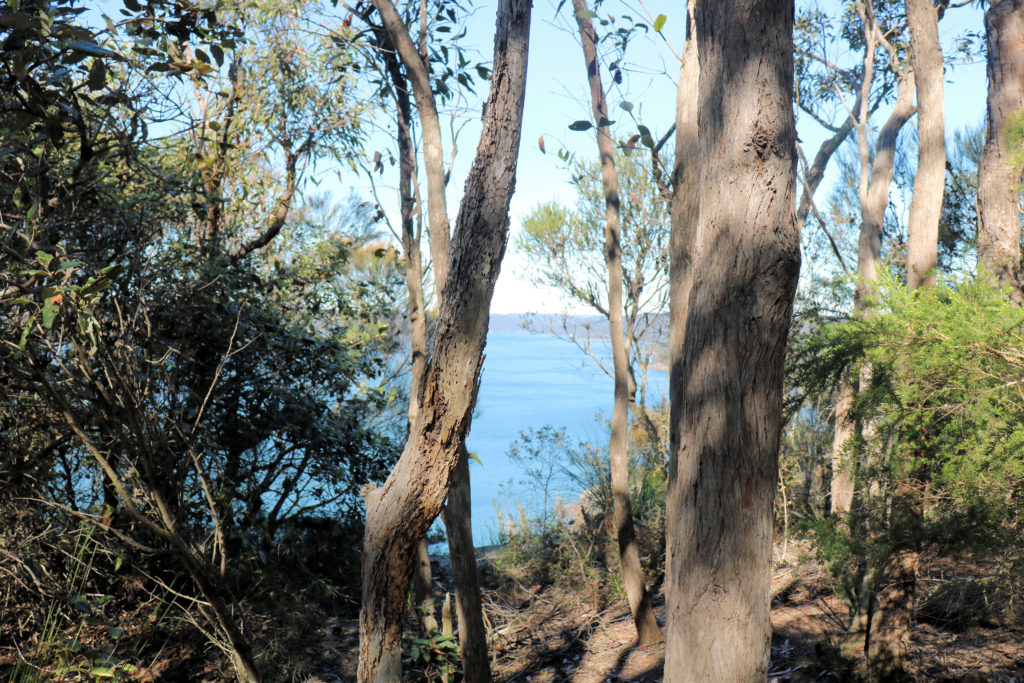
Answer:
(418, 70)
(742, 277)
(399, 513)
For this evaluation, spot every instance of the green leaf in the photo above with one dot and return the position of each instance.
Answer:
(50, 311)
(627, 106)
(581, 125)
(476, 457)
(44, 258)
(659, 22)
(604, 122)
(18, 21)
(586, 14)
(218, 54)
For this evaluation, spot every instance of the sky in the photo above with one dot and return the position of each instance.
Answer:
(557, 95)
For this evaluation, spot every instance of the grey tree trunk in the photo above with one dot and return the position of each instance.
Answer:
(875, 181)
(999, 179)
(457, 521)
(745, 263)
(422, 582)
(648, 631)
(414, 493)
(930, 181)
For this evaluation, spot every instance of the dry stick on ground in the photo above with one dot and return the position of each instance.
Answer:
(414, 493)
(648, 631)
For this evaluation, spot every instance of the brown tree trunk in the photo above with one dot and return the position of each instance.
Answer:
(648, 631)
(476, 667)
(999, 179)
(930, 181)
(891, 617)
(414, 493)
(744, 273)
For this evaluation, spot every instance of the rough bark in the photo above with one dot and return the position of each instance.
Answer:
(891, 618)
(476, 666)
(744, 269)
(999, 179)
(414, 493)
(648, 631)
(930, 181)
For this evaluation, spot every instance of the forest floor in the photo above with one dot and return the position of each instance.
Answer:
(550, 634)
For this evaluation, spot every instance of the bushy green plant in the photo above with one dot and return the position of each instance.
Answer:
(943, 418)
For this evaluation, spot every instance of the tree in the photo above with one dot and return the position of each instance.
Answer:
(398, 50)
(648, 631)
(999, 173)
(930, 181)
(744, 267)
(399, 515)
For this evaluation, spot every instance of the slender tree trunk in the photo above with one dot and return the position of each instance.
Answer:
(414, 493)
(474, 656)
(433, 154)
(468, 603)
(930, 181)
(843, 466)
(999, 178)
(873, 191)
(648, 631)
(744, 272)
(875, 181)
(422, 582)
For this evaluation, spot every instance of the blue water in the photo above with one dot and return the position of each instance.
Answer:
(528, 381)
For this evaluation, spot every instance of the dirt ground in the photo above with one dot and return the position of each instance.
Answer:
(548, 635)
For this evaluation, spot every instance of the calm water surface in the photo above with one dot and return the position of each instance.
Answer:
(532, 380)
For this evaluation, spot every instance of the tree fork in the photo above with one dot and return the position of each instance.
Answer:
(414, 493)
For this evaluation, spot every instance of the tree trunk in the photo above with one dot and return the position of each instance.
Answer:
(999, 179)
(433, 155)
(414, 493)
(468, 604)
(744, 272)
(844, 467)
(648, 631)
(875, 181)
(891, 617)
(930, 181)
(422, 582)
(684, 215)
